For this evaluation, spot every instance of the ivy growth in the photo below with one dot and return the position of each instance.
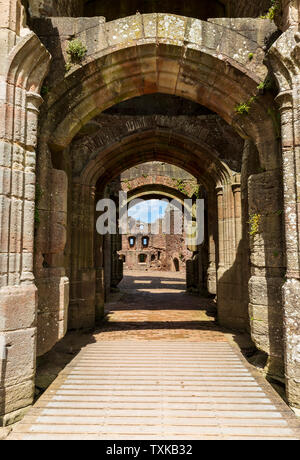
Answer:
(127, 182)
(180, 185)
(254, 222)
(266, 85)
(274, 10)
(244, 107)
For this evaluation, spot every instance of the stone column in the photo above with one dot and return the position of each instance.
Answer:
(288, 102)
(267, 267)
(221, 258)
(230, 286)
(99, 267)
(236, 189)
(212, 241)
(83, 273)
(50, 272)
(19, 107)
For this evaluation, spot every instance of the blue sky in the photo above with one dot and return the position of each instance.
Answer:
(148, 211)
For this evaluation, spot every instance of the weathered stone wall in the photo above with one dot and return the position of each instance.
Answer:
(284, 57)
(160, 253)
(209, 131)
(38, 8)
(24, 63)
(290, 14)
(53, 285)
(155, 177)
(170, 54)
(97, 155)
(120, 8)
(267, 267)
(231, 293)
(159, 173)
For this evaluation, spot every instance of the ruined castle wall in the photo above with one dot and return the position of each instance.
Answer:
(154, 173)
(162, 249)
(20, 51)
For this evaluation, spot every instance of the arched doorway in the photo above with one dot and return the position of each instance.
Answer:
(194, 60)
(189, 68)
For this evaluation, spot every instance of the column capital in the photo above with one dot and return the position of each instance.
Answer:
(284, 100)
(33, 101)
(236, 184)
(220, 190)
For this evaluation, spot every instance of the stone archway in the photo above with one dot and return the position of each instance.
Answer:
(131, 57)
(159, 239)
(195, 60)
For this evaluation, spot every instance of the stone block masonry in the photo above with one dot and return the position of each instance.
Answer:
(60, 137)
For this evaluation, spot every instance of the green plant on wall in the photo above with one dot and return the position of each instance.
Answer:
(274, 10)
(76, 51)
(267, 85)
(254, 222)
(180, 186)
(244, 107)
(127, 182)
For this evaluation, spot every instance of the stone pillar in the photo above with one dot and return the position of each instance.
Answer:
(267, 267)
(117, 263)
(230, 281)
(50, 273)
(236, 189)
(83, 273)
(19, 107)
(221, 258)
(212, 241)
(288, 102)
(285, 59)
(99, 264)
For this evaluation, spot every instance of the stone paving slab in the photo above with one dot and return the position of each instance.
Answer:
(159, 368)
(197, 402)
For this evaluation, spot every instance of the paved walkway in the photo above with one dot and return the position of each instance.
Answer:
(159, 369)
